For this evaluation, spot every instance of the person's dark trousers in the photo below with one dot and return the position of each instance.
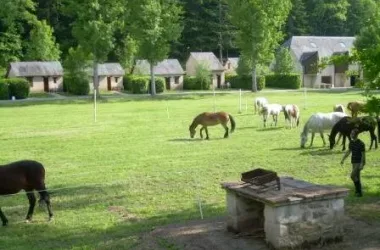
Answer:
(355, 176)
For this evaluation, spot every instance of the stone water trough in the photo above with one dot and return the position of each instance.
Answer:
(289, 212)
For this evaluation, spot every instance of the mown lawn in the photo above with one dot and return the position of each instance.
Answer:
(136, 168)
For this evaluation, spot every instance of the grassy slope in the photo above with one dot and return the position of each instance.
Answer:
(135, 168)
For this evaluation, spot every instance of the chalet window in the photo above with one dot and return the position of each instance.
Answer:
(30, 80)
(326, 79)
(55, 79)
(116, 79)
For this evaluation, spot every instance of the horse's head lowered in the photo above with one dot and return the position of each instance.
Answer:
(192, 131)
(332, 141)
(303, 139)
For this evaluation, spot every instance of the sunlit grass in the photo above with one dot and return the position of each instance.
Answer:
(136, 167)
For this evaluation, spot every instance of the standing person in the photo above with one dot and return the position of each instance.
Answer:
(357, 148)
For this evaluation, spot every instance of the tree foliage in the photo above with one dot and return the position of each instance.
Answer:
(259, 26)
(161, 20)
(284, 62)
(42, 45)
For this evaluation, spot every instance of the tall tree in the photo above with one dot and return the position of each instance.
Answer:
(94, 27)
(42, 45)
(15, 20)
(297, 22)
(358, 15)
(155, 24)
(367, 53)
(259, 26)
(284, 62)
(327, 17)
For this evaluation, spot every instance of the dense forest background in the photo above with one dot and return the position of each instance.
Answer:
(47, 29)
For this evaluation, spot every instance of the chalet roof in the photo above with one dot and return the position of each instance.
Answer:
(35, 68)
(324, 45)
(234, 61)
(108, 69)
(209, 58)
(165, 67)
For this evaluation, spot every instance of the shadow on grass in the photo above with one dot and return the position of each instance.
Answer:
(244, 128)
(269, 128)
(321, 151)
(186, 139)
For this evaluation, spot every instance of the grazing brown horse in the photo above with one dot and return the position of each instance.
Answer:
(24, 175)
(211, 119)
(355, 108)
(292, 113)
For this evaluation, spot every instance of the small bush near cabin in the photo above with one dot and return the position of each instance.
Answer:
(18, 87)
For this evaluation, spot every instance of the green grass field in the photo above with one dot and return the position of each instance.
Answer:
(136, 168)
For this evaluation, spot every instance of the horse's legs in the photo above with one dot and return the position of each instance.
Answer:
(32, 203)
(3, 218)
(44, 196)
(275, 120)
(343, 142)
(312, 138)
(323, 138)
(201, 132)
(226, 129)
(207, 138)
(265, 120)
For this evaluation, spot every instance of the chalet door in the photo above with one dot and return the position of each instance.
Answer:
(109, 85)
(219, 81)
(167, 82)
(46, 84)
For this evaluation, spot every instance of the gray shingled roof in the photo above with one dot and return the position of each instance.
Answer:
(209, 58)
(234, 61)
(25, 69)
(324, 45)
(165, 67)
(108, 69)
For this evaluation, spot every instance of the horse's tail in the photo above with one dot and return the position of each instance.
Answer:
(233, 123)
(298, 120)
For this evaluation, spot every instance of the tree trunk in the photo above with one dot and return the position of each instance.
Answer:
(152, 80)
(254, 82)
(96, 78)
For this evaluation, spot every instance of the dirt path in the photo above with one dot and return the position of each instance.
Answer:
(212, 235)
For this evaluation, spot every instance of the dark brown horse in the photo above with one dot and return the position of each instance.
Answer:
(211, 119)
(347, 124)
(24, 175)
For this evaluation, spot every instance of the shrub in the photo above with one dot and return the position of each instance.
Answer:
(18, 87)
(285, 81)
(194, 83)
(127, 82)
(78, 85)
(245, 82)
(139, 85)
(160, 84)
(4, 90)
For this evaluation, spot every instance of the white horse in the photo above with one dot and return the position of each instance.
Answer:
(271, 109)
(259, 102)
(292, 113)
(319, 122)
(339, 108)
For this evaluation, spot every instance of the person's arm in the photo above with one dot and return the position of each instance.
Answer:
(345, 156)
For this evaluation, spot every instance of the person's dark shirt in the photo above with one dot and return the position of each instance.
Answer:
(356, 147)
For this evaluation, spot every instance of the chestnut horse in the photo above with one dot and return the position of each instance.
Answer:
(24, 175)
(355, 108)
(211, 119)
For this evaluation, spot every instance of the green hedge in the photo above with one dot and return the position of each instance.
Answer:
(193, 83)
(4, 90)
(245, 82)
(160, 84)
(17, 87)
(138, 84)
(77, 85)
(284, 81)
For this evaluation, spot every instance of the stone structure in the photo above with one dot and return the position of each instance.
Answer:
(298, 214)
